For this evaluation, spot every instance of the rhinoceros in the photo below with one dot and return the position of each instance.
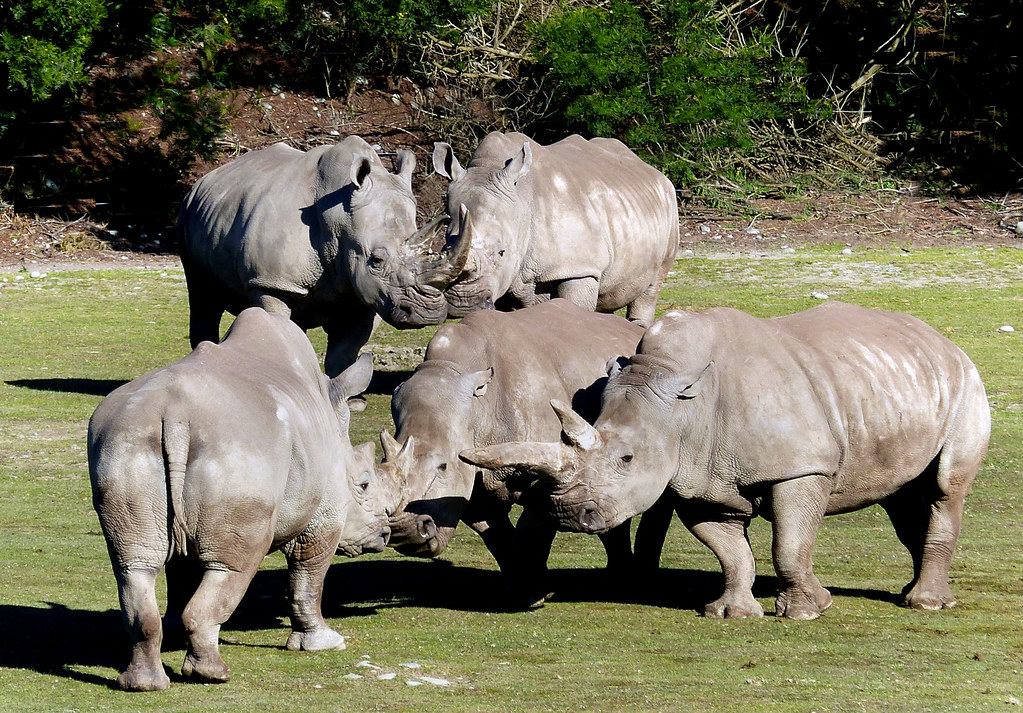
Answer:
(326, 236)
(820, 412)
(488, 379)
(584, 220)
(208, 464)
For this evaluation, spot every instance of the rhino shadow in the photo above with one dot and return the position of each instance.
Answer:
(54, 639)
(89, 387)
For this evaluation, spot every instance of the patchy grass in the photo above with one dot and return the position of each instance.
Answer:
(71, 337)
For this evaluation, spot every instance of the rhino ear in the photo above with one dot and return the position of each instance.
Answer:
(367, 450)
(361, 167)
(687, 384)
(406, 165)
(479, 381)
(395, 452)
(614, 365)
(445, 163)
(352, 381)
(518, 166)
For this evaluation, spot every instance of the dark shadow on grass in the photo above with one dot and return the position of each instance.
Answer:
(54, 638)
(91, 387)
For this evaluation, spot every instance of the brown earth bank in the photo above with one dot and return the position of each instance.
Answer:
(390, 118)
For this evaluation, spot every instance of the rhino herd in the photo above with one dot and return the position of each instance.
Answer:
(537, 397)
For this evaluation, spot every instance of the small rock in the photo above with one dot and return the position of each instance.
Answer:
(413, 683)
(385, 676)
(352, 676)
(396, 98)
(752, 231)
(377, 147)
(318, 685)
(35, 273)
(847, 251)
(687, 253)
(1019, 229)
(787, 250)
(704, 229)
(410, 665)
(819, 295)
(1013, 701)
(334, 132)
(435, 681)
(365, 656)
(1007, 328)
(367, 664)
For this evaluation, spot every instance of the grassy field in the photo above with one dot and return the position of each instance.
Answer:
(70, 337)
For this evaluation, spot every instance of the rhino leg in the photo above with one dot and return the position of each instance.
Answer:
(498, 536)
(929, 530)
(214, 601)
(206, 306)
(618, 546)
(641, 310)
(346, 334)
(309, 556)
(650, 534)
(534, 535)
(797, 509)
(582, 291)
(727, 539)
(137, 592)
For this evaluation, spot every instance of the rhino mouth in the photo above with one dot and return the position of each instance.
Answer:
(468, 296)
(421, 307)
(375, 540)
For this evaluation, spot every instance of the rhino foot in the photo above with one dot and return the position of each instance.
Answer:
(930, 600)
(318, 640)
(737, 608)
(143, 678)
(799, 604)
(209, 669)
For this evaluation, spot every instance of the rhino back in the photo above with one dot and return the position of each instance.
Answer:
(865, 396)
(597, 209)
(553, 350)
(251, 222)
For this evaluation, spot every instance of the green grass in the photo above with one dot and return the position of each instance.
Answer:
(70, 337)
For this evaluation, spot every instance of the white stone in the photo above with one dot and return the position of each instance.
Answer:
(1006, 328)
(35, 273)
(704, 229)
(847, 251)
(352, 676)
(413, 683)
(385, 676)
(752, 231)
(367, 664)
(410, 665)
(436, 681)
(1019, 228)
(335, 133)
(787, 250)
(819, 295)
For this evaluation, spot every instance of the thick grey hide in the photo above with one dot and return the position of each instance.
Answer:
(584, 220)
(326, 237)
(486, 380)
(210, 463)
(820, 412)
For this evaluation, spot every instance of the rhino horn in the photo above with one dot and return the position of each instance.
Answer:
(547, 461)
(396, 453)
(421, 239)
(580, 433)
(440, 269)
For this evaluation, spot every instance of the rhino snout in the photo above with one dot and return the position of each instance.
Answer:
(589, 519)
(412, 530)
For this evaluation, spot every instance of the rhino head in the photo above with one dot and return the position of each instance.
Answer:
(372, 217)
(437, 483)
(489, 207)
(601, 475)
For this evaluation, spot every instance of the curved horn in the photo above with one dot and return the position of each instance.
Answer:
(580, 433)
(547, 461)
(441, 269)
(389, 444)
(422, 238)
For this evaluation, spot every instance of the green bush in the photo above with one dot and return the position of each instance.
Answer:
(665, 78)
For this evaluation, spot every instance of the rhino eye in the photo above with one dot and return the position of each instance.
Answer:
(375, 263)
(627, 458)
(442, 466)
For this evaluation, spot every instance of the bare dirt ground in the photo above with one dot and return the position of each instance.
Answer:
(389, 119)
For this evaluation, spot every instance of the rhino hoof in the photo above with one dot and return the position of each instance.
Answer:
(930, 602)
(319, 640)
(136, 679)
(208, 669)
(722, 609)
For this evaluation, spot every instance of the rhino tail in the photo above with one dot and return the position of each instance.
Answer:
(175, 448)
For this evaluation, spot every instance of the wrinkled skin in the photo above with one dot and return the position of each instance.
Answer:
(327, 237)
(210, 463)
(585, 220)
(377, 495)
(821, 412)
(485, 380)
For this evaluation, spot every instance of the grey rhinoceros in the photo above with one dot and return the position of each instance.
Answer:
(793, 418)
(208, 464)
(326, 236)
(489, 379)
(584, 220)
